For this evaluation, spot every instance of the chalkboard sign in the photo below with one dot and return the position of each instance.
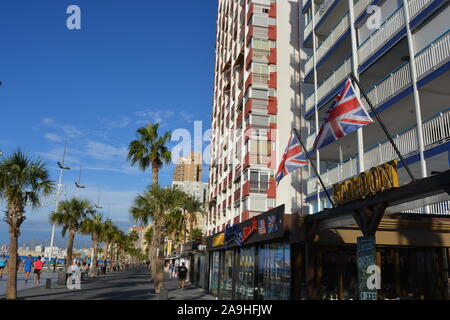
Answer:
(366, 250)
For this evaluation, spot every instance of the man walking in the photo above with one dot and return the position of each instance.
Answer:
(3, 263)
(27, 264)
(182, 272)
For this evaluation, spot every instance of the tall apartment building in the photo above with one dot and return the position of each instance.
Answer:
(255, 105)
(402, 63)
(189, 168)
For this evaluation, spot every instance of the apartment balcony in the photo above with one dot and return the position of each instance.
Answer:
(391, 27)
(258, 79)
(253, 104)
(257, 55)
(258, 186)
(332, 82)
(259, 159)
(329, 42)
(237, 195)
(436, 131)
(307, 30)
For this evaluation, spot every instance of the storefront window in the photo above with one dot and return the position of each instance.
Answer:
(273, 272)
(245, 287)
(214, 276)
(227, 276)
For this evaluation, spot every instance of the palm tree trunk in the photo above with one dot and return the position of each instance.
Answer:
(191, 227)
(70, 248)
(158, 256)
(93, 271)
(11, 290)
(155, 172)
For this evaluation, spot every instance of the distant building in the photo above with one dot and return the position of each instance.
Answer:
(39, 249)
(189, 168)
(197, 189)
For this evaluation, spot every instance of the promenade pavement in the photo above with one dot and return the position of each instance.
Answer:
(131, 284)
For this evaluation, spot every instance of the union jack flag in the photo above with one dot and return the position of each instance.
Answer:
(346, 114)
(293, 158)
(262, 227)
(272, 224)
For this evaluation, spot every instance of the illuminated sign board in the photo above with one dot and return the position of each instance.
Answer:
(218, 240)
(368, 183)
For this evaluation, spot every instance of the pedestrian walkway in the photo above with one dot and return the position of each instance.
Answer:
(21, 285)
(132, 284)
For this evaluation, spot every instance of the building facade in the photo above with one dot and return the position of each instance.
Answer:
(189, 168)
(256, 94)
(400, 51)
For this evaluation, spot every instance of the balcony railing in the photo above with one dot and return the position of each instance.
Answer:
(436, 208)
(360, 6)
(324, 7)
(323, 48)
(337, 32)
(330, 83)
(416, 6)
(308, 29)
(435, 131)
(377, 39)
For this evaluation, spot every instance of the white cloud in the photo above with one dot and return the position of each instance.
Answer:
(102, 151)
(53, 137)
(160, 116)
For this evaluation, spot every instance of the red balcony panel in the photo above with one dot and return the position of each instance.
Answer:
(229, 202)
(273, 80)
(237, 194)
(273, 10)
(273, 106)
(272, 133)
(272, 190)
(245, 215)
(249, 81)
(249, 35)
(230, 176)
(248, 106)
(249, 59)
(272, 33)
(246, 189)
(272, 162)
(223, 226)
(250, 11)
(239, 120)
(273, 56)
(236, 220)
(247, 160)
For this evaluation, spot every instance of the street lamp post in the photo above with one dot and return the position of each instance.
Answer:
(61, 170)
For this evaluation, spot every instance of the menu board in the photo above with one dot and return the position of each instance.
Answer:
(366, 250)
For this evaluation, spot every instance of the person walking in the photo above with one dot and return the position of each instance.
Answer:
(182, 273)
(37, 271)
(3, 262)
(170, 269)
(55, 264)
(27, 264)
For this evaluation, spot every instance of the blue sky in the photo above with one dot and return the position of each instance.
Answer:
(132, 62)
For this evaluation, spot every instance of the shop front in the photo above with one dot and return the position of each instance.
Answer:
(251, 260)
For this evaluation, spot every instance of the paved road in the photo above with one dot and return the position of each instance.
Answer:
(125, 285)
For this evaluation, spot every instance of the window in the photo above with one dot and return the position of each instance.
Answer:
(261, 44)
(259, 181)
(260, 68)
(259, 94)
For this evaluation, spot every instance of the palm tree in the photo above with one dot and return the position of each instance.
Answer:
(196, 234)
(93, 226)
(23, 181)
(148, 238)
(150, 150)
(176, 226)
(194, 207)
(109, 229)
(156, 204)
(70, 215)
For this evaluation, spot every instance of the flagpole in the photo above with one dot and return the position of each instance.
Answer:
(383, 127)
(305, 151)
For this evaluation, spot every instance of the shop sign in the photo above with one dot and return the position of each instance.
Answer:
(248, 231)
(366, 251)
(368, 183)
(218, 240)
(262, 227)
(233, 234)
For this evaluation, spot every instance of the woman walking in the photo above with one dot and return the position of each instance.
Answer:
(37, 270)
